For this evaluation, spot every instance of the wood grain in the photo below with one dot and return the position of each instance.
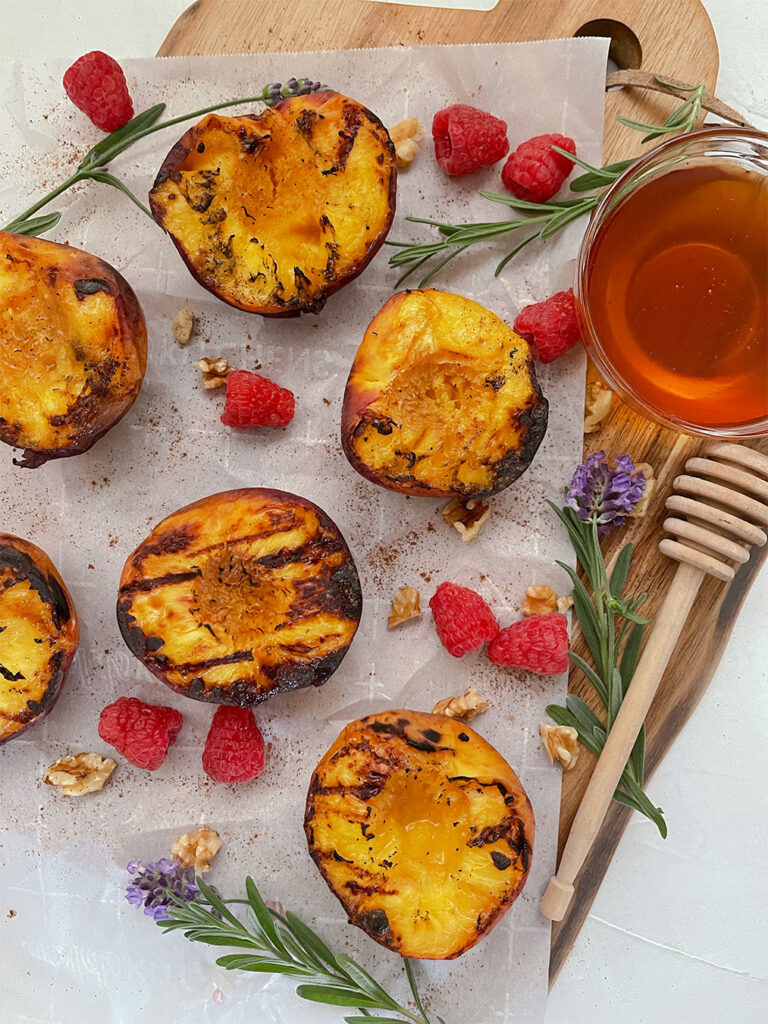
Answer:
(672, 39)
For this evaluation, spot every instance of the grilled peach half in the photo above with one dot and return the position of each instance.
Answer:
(240, 595)
(73, 348)
(273, 213)
(421, 829)
(442, 399)
(38, 635)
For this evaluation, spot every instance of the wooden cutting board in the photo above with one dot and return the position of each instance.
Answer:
(672, 39)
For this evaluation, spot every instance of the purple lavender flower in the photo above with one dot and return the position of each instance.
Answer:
(599, 494)
(152, 883)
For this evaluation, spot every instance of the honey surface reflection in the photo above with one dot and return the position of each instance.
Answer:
(677, 290)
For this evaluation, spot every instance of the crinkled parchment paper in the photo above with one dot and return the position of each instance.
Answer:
(75, 950)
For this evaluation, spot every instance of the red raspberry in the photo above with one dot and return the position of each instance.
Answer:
(550, 327)
(234, 749)
(538, 643)
(255, 401)
(467, 139)
(534, 171)
(141, 732)
(96, 84)
(462, 618)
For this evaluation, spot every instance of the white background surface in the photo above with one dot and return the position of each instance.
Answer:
(679, 931)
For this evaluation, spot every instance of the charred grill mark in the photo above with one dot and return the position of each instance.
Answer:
(432, 735)
(492, 833)
(293, 676)
(362, 792)
(496, 382)
(252, 144)
(425, 745)
(200, 189)
(90, 286)
(500, 860)
(352, 118)
(156, 582)
(378, 922)
(387, 727)
(329, 270)
(373, 889)
(23, 568)
(305, 123)
(463, 737)
(300, 279)
(171, 542)
(35, 708)
(200, 666)
(337, 856)
(12, 677)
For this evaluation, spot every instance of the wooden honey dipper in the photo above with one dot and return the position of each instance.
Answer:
(721, 508)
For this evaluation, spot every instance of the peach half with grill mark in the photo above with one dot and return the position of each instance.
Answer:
(241, 595)
(442, 399)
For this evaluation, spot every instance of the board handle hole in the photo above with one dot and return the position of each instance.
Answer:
(625, 50)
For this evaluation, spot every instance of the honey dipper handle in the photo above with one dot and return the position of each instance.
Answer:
(621, 738)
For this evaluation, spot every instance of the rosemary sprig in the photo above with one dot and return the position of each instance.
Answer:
(613, 633)
(545, 219)
(276, 943)
(94, 165)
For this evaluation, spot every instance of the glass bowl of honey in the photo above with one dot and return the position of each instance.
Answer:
(672, 284)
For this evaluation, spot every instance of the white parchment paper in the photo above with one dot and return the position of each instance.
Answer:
(74, 950)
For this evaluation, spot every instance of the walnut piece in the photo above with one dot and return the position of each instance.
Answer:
(465, 708)
(649, 490)
(597, 404)
(214, 371)
(183, 327)
(80, 773)
(406, 136)
(561, 742)
(405, 606)
(565, 603)
(198, 849)
(466, 516)
(539, 600)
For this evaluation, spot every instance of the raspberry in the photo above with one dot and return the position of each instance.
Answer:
(462, 618)
(538, 643)
(234, 749)
(534, 171)
(467, 139)
(96, 84)
(550, 327)
(141, 732)
(255, 401)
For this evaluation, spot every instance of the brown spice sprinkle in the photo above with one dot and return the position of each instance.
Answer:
(466, 516)
(197, 849)
(184, 325)
(463, 708)
(561, 742)
(405, 606)
(214, 371)
(539, 600)
(80, 773)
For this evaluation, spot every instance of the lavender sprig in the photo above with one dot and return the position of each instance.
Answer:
(599, 498)
(603, 495)
(154, 885)
(94, 165)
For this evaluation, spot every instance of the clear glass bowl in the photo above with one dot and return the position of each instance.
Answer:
(746, 149)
